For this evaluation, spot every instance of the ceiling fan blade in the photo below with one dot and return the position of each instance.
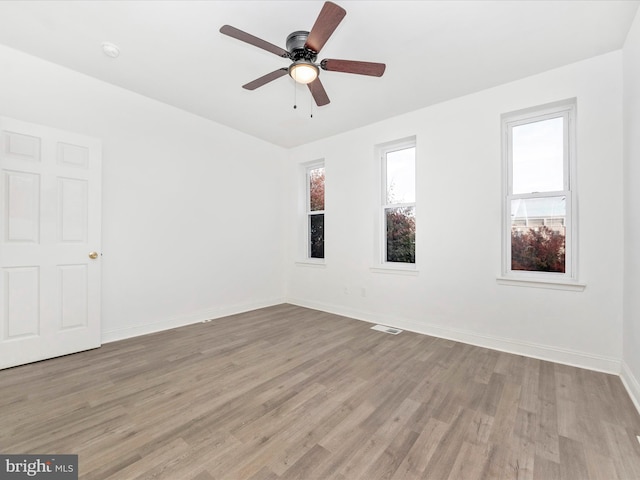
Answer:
(328, 20)
(269, 77)
(318, 92)
(351, 66)
(255, 41)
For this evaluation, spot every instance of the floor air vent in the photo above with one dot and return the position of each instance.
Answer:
(385, 329)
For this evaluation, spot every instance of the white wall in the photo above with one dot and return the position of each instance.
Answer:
(631, 334)
(192, 217)
(456, 294)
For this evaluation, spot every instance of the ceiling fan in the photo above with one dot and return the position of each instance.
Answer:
(302, 49)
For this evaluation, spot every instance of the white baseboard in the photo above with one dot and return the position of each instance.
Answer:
(187, 319)
(541, 352)
(631, 384)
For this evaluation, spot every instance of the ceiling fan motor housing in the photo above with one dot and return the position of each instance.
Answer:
(296, 48)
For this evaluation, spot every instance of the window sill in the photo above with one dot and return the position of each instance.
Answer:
(539, 283)
(395, 270)
(311, 263)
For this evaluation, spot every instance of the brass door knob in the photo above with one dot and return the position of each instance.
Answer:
(93, 255)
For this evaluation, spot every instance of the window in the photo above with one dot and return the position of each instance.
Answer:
(539, 235)
(398, 205)
(315, 210)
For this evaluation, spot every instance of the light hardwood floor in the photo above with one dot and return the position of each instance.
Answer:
(291, 393)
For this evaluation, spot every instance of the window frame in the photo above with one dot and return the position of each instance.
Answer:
(307, 213)
(567, 110)
(380, 262)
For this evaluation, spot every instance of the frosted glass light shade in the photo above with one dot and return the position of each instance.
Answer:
(303, 72)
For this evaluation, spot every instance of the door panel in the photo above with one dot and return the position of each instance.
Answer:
(73, 155)
(50, 206)
(73, 201)
(22, 297)
(21, 147)
(74, 300)
(22, 206)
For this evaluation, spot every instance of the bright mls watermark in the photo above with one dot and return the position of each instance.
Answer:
(45, 467)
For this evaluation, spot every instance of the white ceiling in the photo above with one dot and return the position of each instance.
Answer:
(173, 51)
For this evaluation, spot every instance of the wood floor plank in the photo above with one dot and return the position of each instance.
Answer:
(305, 437)
(263, 474)
(336, 439)
(415, 462)
(600, 467)
(332, 467)
(623, 447)
(386, 464)
(530, 384)
(289, 392)
(304, 468)
(573, 463)
(444, 457)
(492, 395)
(150, 464)
(204, 475)
(544, 469)
(479, 429)
(506, 413)
(379, 439)
(522, 448)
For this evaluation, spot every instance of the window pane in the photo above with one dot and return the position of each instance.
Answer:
(401, 182)
(316, 236)
(401, 234)
(316, 189)
(538, 234)
(538, 156)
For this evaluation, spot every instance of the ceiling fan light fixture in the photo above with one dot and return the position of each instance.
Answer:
(303, 72)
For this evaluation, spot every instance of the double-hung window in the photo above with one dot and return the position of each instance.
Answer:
(398, 205)
(315, 210)
(539, 225)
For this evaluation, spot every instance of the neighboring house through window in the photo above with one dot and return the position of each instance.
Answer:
(539, 233)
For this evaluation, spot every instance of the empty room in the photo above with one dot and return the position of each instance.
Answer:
(350, 240)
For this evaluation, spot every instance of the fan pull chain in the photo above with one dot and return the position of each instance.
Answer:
(311, 104)
(295, 95)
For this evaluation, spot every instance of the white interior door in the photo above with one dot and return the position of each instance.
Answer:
(50, 196)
